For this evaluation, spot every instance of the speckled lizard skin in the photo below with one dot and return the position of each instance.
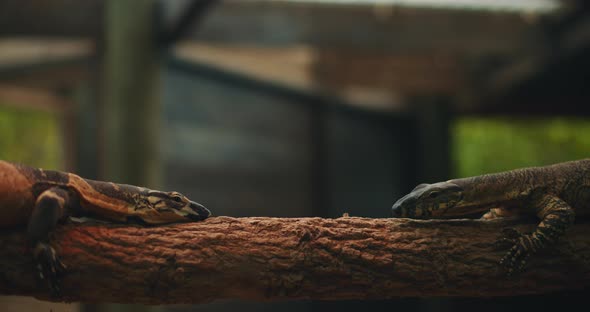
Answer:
(41, 198)
(555, 194)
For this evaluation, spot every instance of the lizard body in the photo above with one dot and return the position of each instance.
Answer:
(41, 198)
(555, 194)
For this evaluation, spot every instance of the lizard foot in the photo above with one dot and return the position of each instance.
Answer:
(515, 260)
(507, 239)
(49, 267)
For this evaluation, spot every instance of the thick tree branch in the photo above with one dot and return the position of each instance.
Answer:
(307, 258)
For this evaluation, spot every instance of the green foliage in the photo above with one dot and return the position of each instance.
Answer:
(30, 137)
(486, 145)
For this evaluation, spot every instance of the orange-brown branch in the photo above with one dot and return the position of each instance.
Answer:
(306, 258)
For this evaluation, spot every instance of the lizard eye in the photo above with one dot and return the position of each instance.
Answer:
(177, 198)
(433, 194)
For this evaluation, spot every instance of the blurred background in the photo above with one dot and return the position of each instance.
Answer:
(292, 108)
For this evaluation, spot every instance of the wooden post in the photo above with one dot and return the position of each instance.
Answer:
(132, 93)
(433, 139)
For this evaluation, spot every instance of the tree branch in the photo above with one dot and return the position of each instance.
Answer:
(306, 258)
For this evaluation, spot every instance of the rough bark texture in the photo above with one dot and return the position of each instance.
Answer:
(307, 258)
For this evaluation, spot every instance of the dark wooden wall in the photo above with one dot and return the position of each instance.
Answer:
(238, 151)
(248, 148)
(365, 154)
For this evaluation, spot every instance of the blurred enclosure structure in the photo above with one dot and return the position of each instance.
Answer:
(295, 108)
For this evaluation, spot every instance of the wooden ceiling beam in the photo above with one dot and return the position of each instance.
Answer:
(56, 18)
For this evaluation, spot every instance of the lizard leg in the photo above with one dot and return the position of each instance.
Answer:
(498, 213)
(49, 209)
(556, 216)
(494, 213)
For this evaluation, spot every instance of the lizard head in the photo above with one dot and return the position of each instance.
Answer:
(428, 201)
(167, 207)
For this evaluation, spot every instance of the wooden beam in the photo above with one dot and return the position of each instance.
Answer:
(22, 97)
(187, 21)
(292, 258)
(551, 81)
(56, 18)
(393, 29)
(55, 75)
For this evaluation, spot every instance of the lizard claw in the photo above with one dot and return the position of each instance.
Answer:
(49, 267)
(508, 238)
(515, 260)
(511, 233)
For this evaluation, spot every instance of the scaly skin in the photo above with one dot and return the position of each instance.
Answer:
(553, 193)
(41, 198)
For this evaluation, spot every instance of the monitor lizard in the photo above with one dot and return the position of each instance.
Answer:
(555, 194)
(41, 198)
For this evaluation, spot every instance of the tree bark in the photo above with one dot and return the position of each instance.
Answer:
(298, 258)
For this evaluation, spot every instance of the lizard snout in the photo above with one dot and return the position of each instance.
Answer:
(396, 211)
(202, 212)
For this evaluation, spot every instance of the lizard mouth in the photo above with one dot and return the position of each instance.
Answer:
(451, 204)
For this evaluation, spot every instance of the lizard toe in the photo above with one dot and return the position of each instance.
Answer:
(515, 260)
(503, 243)
(508, 238)
(511, 233)
(509, 257)
(522, 265)
(49, 267)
